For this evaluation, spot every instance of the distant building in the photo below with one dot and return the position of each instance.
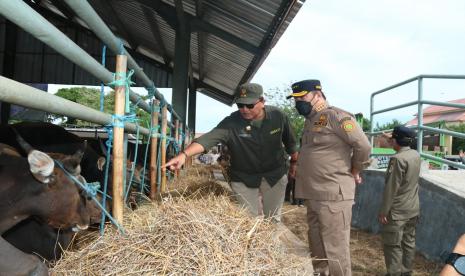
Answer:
(440, 117)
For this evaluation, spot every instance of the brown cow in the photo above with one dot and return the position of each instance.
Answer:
(35, 186)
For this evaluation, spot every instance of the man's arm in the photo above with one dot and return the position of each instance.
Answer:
(217, 135)
(179, 160)
(289, 140)
(449, 270)
(351, 133)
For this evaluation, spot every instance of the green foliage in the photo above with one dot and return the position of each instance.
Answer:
(277, 97)
(387, 126)
(366, 125)
(457, 143)
(91, 97)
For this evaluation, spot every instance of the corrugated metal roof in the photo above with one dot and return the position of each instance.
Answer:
(219, 63)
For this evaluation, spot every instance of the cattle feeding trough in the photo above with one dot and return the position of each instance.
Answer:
(194, 229)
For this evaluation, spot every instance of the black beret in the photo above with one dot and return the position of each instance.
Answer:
(401, 132)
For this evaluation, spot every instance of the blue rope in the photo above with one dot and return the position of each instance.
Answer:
(134, 106)
(91, 191)
(123, 80)
(109, 144)
(89, 188)
(151, 91)
(121, 47)
(119, 120)
(133, 165)
(159, 166)
(142, 184)
(102, 85)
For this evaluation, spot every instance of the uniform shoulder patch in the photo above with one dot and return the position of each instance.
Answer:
(348, 125)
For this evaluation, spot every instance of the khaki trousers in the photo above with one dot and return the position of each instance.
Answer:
(329, 235)
(399, 245)
(265, 200)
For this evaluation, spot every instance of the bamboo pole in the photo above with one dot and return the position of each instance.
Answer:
(163, 147)
(118, 139)
(153, 152)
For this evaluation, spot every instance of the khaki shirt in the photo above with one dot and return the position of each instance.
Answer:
(332, 144)
(257, 149)
(400, 198)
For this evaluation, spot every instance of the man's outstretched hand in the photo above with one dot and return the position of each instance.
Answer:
(175, 163)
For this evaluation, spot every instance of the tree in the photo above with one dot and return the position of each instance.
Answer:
(91, 97)
(387, 126)
(277, 97)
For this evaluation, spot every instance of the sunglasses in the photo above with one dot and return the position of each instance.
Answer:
(249, 106)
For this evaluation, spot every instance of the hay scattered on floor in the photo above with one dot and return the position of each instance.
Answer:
(203, 236)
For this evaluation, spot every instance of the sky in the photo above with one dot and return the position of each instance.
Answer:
(358, 47)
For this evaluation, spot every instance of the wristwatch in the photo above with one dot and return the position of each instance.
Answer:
(457, 261)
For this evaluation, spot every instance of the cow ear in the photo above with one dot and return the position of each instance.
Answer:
(41, 166)
(101, 162)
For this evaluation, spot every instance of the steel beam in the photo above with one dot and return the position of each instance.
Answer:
(155, 29)
(20, 94)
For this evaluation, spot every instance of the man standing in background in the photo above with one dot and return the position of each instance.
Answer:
(401, 206)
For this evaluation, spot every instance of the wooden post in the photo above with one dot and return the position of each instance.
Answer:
(153, 152)
(176, 134)
(118, 139)
(164, 123)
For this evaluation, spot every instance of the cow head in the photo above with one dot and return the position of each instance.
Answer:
(48, 191)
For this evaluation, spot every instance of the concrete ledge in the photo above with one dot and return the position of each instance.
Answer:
(442, 213)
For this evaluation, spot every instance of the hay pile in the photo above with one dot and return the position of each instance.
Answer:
(193, 234)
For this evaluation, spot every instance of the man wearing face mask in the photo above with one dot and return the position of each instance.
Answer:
(334, 150)
(258, 137)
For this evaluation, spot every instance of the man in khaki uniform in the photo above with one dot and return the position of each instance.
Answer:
(258, 136)
(400, 207)
(333, 152)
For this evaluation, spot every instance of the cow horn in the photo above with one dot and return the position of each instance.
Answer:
(24, 145)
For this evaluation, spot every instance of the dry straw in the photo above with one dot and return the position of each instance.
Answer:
(195, 231)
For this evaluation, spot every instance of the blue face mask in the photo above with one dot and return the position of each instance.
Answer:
(304, 108)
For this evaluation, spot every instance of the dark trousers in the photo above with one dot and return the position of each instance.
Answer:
(290, 193)
(399, 246)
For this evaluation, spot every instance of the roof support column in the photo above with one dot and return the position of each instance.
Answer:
(192, 106)
(181, 69)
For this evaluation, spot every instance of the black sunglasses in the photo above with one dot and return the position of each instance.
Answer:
(249, 106)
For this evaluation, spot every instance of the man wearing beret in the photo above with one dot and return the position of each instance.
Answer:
(400, 207)
(258, 137)
(334, 150)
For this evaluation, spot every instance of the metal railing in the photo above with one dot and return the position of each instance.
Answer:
(420, 127)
